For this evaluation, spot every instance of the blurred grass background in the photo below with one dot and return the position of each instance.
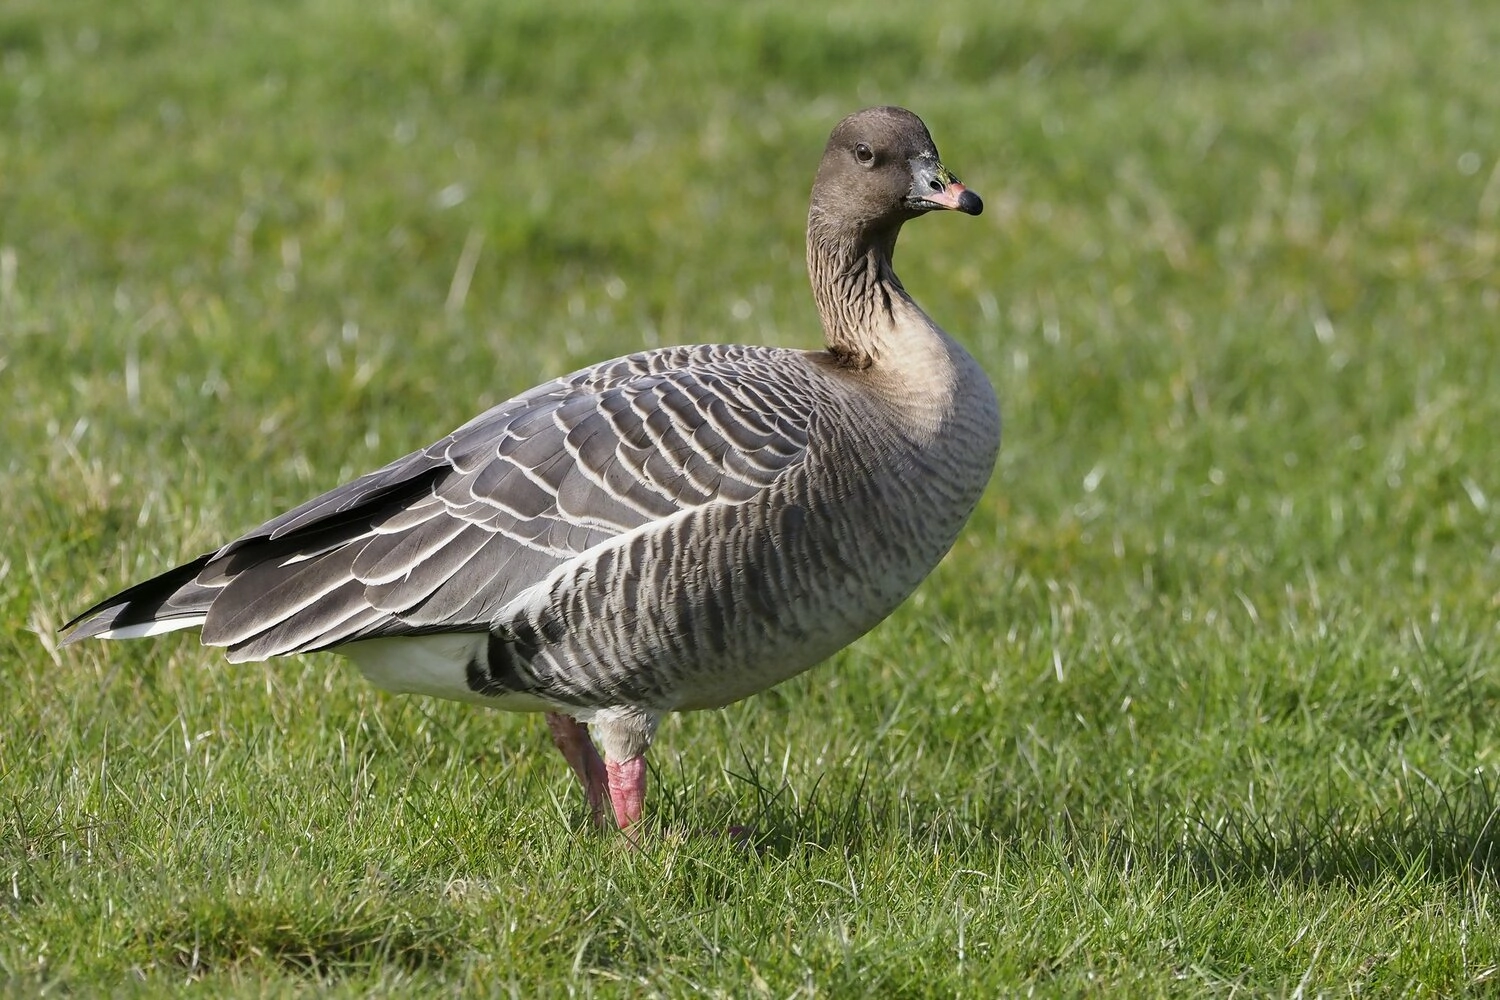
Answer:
(1202, 703)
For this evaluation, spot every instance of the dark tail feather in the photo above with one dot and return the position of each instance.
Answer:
(171, 596)
(318, 528)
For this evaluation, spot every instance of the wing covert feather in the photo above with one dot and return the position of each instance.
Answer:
(441, 539)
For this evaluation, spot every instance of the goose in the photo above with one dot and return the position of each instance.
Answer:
(668, 531)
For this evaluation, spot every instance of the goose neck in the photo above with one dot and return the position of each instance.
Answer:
(856, 289)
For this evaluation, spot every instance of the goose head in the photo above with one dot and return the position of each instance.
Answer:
(880, 170)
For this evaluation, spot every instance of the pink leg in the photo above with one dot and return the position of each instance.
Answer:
(627, 789)
(572, 738)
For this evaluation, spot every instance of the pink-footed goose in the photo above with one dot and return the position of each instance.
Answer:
(672, 530)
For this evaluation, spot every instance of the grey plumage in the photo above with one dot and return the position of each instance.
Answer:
(675, 529)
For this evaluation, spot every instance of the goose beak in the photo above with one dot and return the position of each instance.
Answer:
(933, 188)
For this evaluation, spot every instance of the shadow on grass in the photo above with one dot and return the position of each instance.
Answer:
(217, 935)
(1431, 833)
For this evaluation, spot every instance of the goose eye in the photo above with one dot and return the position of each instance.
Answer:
(862, 153)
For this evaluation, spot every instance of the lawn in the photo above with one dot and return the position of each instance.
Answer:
(1204, 701)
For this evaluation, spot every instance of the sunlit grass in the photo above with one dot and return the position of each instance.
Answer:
(1203, 701)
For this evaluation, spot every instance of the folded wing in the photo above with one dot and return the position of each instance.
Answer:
(442, 539)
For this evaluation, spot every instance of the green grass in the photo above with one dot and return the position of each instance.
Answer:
(1203, 703)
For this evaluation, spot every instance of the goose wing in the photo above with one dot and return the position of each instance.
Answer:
(442, 539)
